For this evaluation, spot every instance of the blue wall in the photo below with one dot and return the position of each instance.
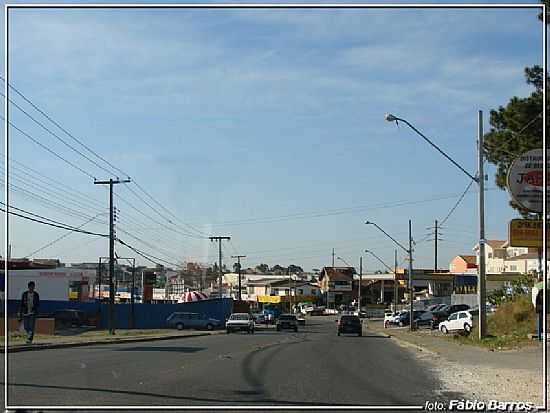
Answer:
(145, 315)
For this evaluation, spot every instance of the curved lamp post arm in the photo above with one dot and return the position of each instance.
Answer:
(391, 118)
(388, 235)
(383, 263)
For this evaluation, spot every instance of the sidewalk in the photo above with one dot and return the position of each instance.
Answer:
(16, 342)
(511, 375)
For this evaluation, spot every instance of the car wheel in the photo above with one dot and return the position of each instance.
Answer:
(444, 330)
(401, 324)
(338, 333)
(179, 326)
(228, 331)
(467, 328)
(209, 327)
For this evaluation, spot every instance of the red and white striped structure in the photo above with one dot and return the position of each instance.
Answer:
(192, 296)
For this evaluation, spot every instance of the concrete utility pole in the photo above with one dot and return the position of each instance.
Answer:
(395, 287)
(333, 258)
(481, 278)
(111, 182)
(411, 287)
(239, 268)
(360, 284)
(435, 252)
(219, 239)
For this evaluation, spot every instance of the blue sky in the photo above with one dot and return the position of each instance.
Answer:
(238, 121)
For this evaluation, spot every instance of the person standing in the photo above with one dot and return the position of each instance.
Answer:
(28, 310)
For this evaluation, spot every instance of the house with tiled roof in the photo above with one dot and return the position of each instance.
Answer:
(337, 285)
(463, 264)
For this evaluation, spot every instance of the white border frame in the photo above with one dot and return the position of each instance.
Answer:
(8, 6)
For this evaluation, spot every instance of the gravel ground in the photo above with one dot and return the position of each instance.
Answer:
(479, 374)
(485, 382)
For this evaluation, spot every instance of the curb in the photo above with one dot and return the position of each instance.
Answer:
(47, 346)
(404, 343)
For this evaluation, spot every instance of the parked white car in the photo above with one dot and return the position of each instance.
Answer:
(459, 321)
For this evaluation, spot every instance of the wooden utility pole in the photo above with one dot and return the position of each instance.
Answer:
(219, 239)
(239, 268)
(111, 182)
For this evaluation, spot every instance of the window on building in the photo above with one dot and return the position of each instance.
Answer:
(490, 255)
(513, 267)
(300, 291)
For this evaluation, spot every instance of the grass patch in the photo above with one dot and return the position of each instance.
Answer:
(508, 327)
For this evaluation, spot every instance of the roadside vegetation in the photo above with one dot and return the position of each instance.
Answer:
(513, 321)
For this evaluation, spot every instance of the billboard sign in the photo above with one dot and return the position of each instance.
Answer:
(526, 233)
(525, 179)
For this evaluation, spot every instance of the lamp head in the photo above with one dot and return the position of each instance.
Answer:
(369, 223)
(390, 117)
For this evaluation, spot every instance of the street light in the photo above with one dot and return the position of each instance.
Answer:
(480, 180)
(408, 251)
(343, 260)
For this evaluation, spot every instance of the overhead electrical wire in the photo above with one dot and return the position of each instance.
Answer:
(457, 203)
(49, 244)
(74, 138)
(48, 149)
(57, 136)
(51, 223)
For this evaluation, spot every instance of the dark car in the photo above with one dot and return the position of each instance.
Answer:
(445, 312)
(69, 318)
(350, 324)
(287, 322)
(182, 320)
(423, 319)
(404, 318)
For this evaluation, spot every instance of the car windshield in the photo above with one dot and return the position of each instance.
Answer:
(239, 317)
(287, 318)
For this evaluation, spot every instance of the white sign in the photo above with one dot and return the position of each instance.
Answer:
(525, 180)
(159, 294)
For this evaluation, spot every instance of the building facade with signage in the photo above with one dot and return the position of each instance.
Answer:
(336, 284)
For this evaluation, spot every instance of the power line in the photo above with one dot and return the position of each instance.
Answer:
(147, 256)
(49, 244)
(48, 149)
(57, 136)
(458, 202)
(63, 129)
(42, 112)
(54, 224)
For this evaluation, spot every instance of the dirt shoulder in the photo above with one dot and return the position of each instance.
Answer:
(477, 372)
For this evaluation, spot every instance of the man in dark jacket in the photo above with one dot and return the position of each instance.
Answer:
(28, 310)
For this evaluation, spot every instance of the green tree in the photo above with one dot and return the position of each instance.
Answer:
(295, 269)
(262, 268)
(515, 128)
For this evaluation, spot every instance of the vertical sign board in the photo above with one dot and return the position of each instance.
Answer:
(526, 233)
(524, 180)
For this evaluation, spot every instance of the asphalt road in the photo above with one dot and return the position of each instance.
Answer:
(311, 367)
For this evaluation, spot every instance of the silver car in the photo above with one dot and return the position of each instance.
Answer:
(192, 320)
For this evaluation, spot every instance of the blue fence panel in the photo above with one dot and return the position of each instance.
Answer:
(145, 315)
(49, 306)
(155, 315)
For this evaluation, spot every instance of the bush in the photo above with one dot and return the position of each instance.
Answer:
(509, 326)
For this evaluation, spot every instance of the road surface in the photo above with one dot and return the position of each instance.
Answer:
(311, 367)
